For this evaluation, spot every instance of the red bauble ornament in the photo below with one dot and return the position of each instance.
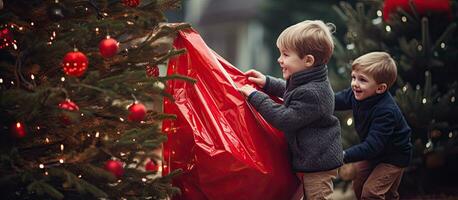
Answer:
(115, 167)
(152, 71)
(70, 106)
(18, 130)
(67, 104)
(422, 6)
(75, 63)
(137, 112)
(151, 166)
(6, 38)
(131, 3)
(108, 47)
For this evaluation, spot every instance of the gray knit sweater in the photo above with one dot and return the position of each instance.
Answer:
(306, 117)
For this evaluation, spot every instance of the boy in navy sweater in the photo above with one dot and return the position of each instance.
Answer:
(385, 148)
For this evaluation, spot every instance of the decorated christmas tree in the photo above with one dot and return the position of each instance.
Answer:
(421, 36)
(81, 96)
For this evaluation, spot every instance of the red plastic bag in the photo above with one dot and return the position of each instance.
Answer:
(226, 149)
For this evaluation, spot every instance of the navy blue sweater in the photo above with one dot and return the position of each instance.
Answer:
(384, 133)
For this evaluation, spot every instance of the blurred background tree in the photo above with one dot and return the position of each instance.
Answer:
(80, 98)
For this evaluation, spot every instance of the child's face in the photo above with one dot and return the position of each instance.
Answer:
(291, 63)
(364, 85)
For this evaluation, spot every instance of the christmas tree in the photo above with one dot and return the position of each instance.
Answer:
(421, 36)
(80, 98)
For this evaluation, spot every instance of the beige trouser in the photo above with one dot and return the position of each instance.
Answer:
(316, 185)
(377, 182)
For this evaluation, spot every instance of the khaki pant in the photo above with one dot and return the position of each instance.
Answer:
(316, 185)
(377, 182)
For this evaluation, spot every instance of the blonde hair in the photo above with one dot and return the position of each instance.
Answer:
(308, 37)
(379, 65)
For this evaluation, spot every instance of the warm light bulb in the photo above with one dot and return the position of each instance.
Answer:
(404, 19)
(429, 144)
(419, 47)
(349, 121)
(388, 28)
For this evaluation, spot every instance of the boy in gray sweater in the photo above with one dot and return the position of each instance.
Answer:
(306, 115)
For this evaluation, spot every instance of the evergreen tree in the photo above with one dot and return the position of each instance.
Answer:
(66, 131)
(277, 15)
(422, 38)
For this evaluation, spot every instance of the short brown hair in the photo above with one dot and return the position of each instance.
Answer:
(379, 65)
(308, 37)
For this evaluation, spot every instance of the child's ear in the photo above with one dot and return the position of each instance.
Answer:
(309, 60)
(381, 88)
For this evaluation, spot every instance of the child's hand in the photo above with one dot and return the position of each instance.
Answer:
(256, 77)
(246, 90)
(347, 172)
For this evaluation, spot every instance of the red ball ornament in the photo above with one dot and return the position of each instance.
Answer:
(151, 166)
(137, 112)
(67, 104)
(115, 167)
(18, 130)
(108, 47)
(70, 106)
(6, 38)
(422, 6)
(152, 71)
(75, 63)
(131, 3)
